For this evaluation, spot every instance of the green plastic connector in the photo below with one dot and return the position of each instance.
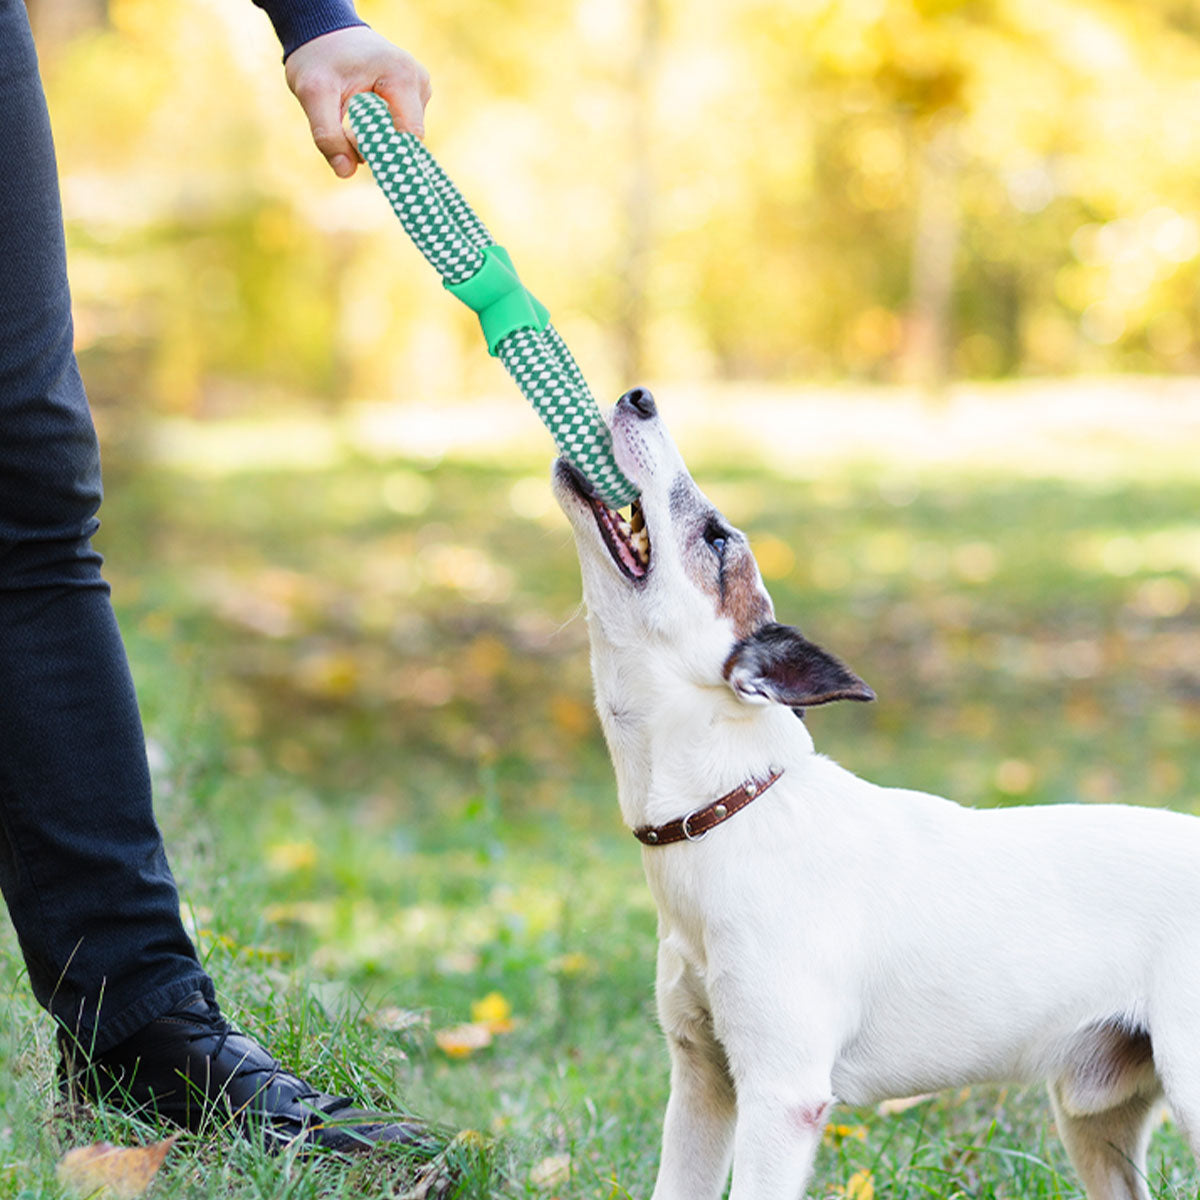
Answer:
(501, 300)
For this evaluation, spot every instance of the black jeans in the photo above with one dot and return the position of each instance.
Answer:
(82, 865)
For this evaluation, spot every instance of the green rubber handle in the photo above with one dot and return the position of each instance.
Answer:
(499, 298)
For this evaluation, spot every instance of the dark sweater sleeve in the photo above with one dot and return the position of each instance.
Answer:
(299, 21)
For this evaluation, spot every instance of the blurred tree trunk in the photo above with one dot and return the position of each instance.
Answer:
(639, 204)
(57, 21)
(926, 357)
(1010, 298)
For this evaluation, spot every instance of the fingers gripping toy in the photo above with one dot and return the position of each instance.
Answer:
(480, 273)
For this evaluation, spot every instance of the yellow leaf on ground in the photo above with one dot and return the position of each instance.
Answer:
(860, 1186)
(460, 1041)
(493, 1011)
(889, 1108)
(438, 1177)
(551, 1172)
(839, 1133)
(120, 1171)
(396, 1020)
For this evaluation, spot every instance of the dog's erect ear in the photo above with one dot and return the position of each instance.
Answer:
(775, 664)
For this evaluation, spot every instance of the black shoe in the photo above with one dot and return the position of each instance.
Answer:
(191, 1067)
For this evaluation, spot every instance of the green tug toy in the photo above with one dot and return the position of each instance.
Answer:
(481, 274)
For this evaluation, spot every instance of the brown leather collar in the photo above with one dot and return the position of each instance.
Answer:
(700, 820)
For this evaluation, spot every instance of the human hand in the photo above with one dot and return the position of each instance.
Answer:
(327, 71)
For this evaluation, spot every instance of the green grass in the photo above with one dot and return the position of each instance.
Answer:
(382, 787)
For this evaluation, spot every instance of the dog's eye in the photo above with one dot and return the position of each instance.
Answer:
(716, 538)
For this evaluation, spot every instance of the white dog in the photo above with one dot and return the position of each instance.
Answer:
(822, 939)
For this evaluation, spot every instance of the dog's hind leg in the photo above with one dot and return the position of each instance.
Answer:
(1108, 1149)
(1174, 1018)
(1103, 1100)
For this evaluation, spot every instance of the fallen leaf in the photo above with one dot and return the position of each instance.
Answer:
(439, 1178)
(120, 1171)
(551, 1172)
(432, 1183)
(860, 1186)
(493, 1011)
(839, 1133)
(889, 1108)
(396, 1020)
(460, 1041)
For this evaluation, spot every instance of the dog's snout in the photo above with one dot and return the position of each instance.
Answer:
(641, 401)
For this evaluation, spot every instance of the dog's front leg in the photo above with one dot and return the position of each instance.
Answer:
(781, 1042)
(778, 1132)
(699, 1126)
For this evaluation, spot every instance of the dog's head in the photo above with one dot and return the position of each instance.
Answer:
(677, 585)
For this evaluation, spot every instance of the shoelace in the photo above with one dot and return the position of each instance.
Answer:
(219, 1026)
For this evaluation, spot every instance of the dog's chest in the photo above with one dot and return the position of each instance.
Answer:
(708, 912)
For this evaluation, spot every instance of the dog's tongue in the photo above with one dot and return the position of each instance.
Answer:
(631, 560)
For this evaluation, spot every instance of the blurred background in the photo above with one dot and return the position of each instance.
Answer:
(874, 190)
(915, 283)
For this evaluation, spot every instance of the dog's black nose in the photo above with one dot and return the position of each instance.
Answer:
(641, 401)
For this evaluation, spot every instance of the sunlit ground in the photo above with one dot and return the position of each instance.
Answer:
(1107, 427)
(363, 668)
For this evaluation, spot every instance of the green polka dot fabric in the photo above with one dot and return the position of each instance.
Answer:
(450, 235)
(538, 364)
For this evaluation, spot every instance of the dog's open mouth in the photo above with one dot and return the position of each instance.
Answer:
(623, 530)
(625, 536)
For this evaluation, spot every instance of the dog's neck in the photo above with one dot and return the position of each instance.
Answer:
(677, 744)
